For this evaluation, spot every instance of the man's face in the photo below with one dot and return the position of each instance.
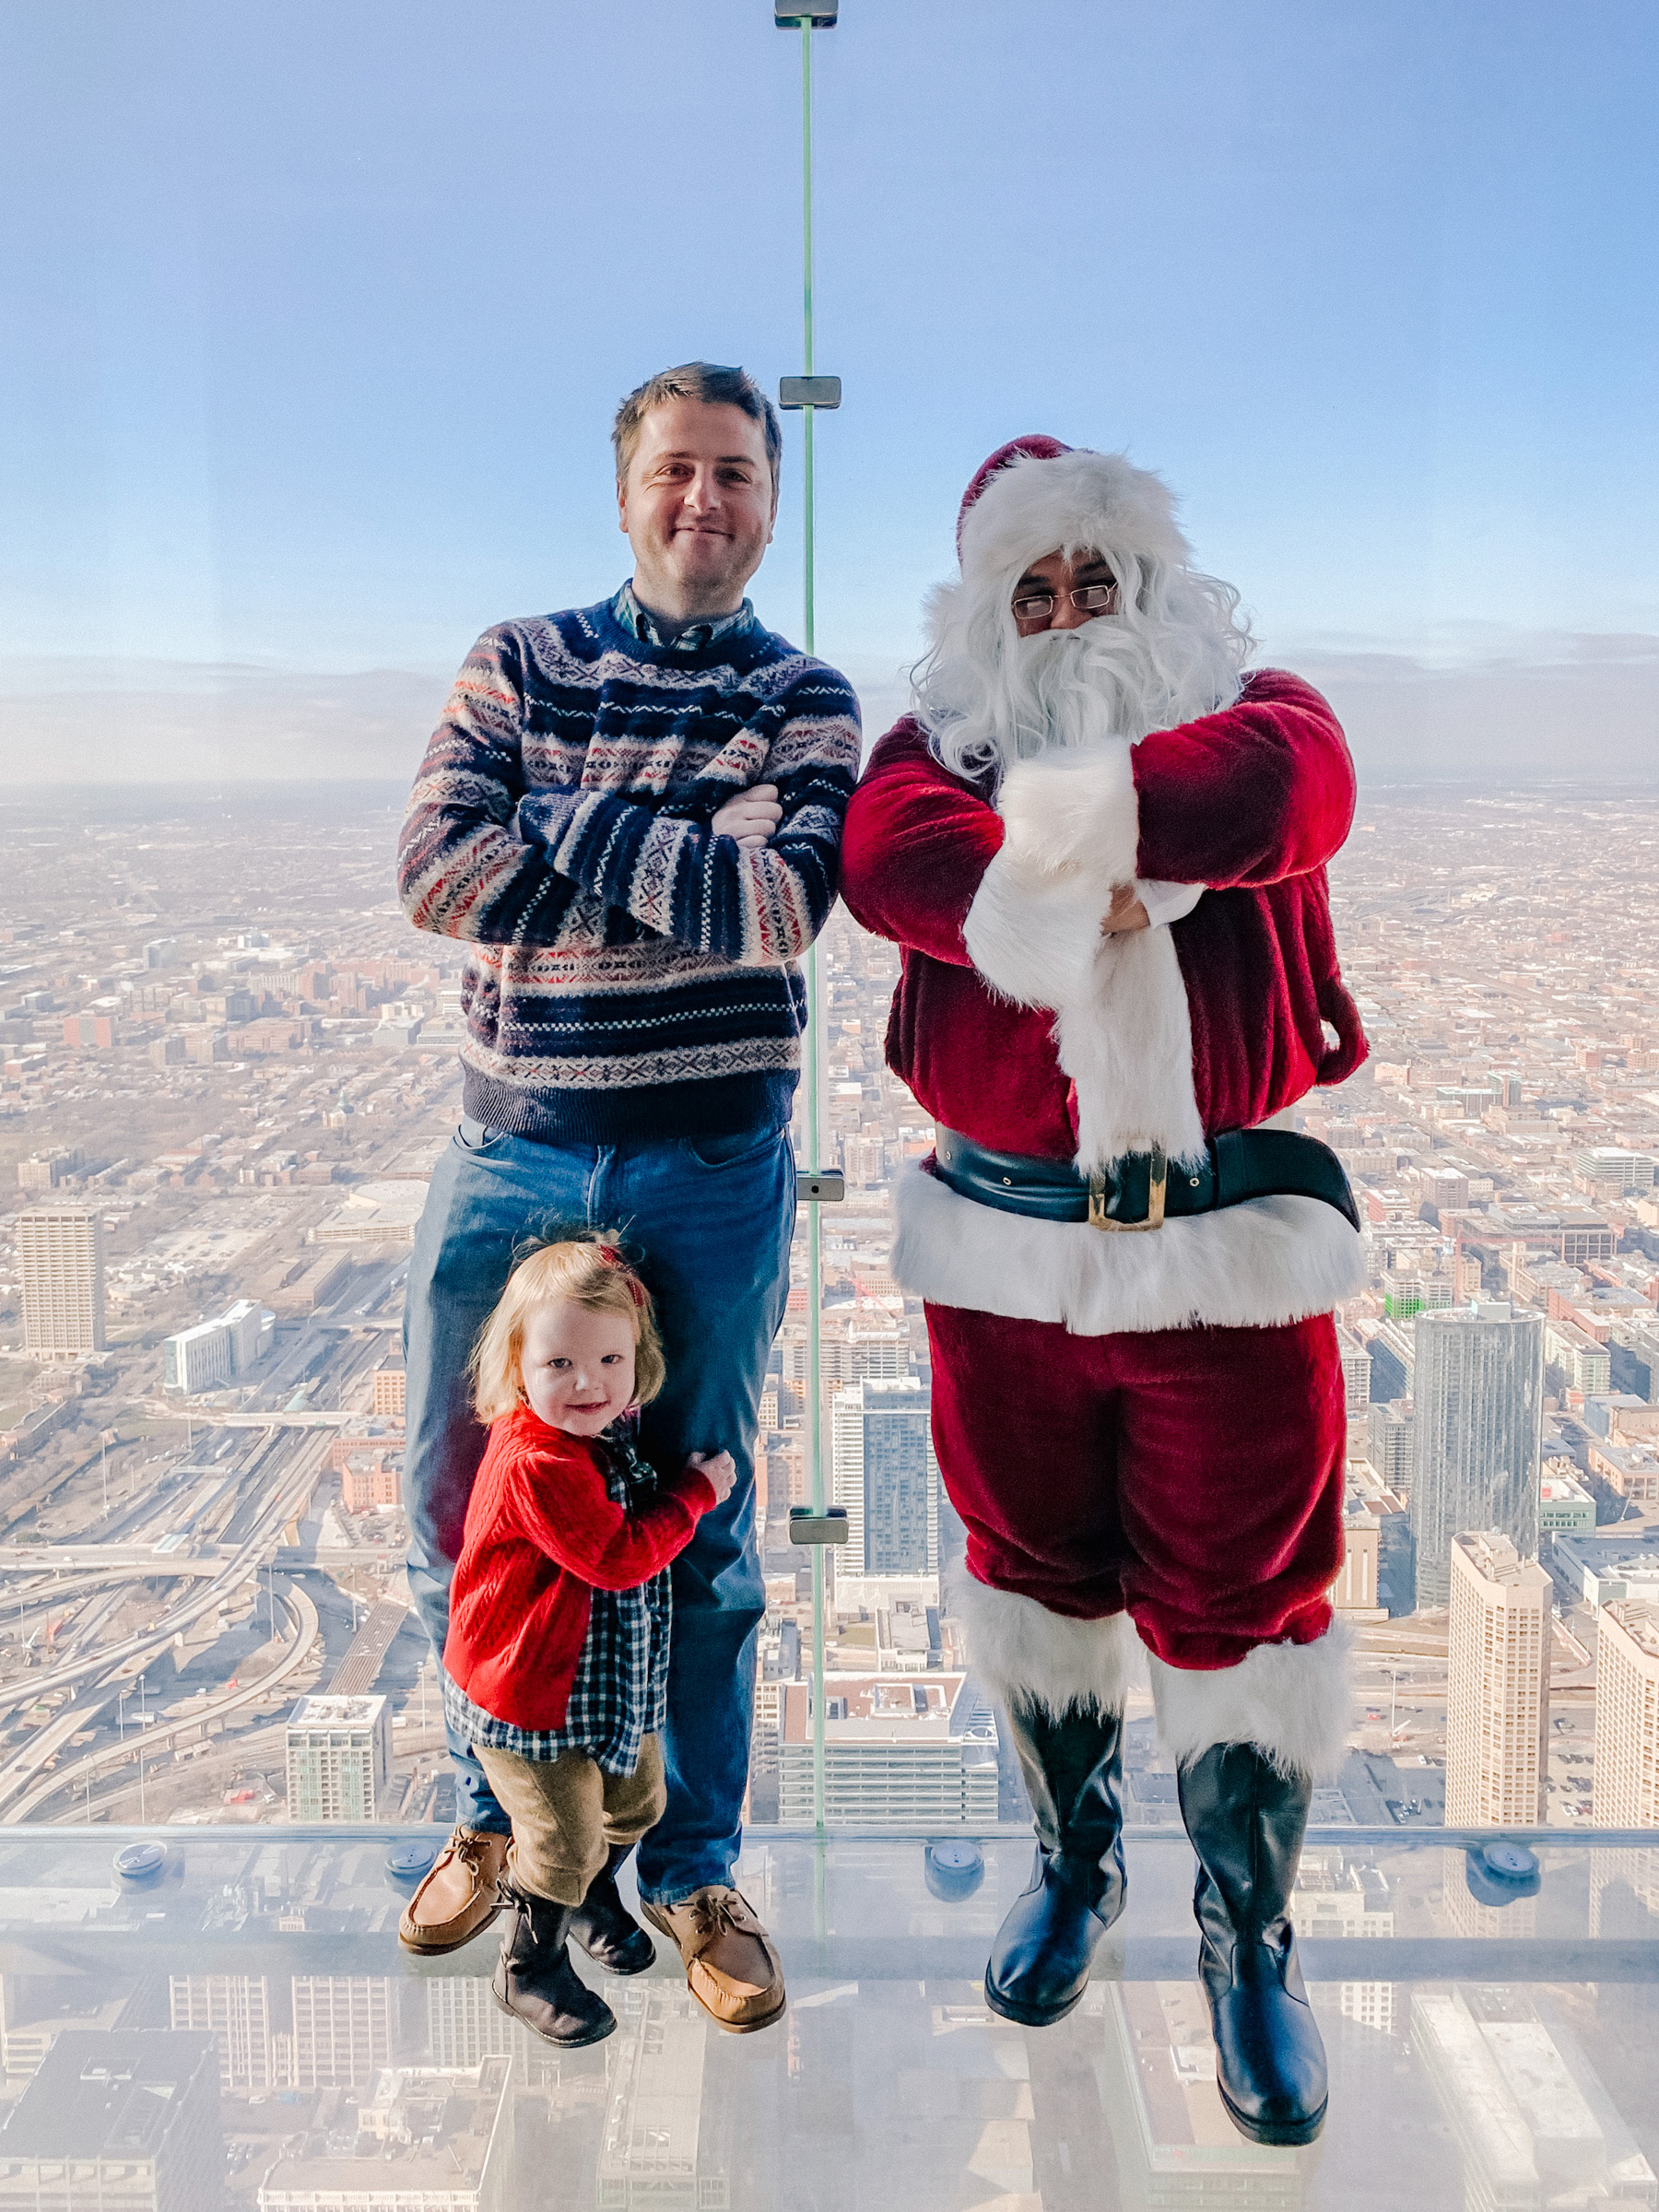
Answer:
(1055, 579)
(697, 507)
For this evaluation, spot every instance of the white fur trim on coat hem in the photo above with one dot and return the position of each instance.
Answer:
(1027, 1655)
(1291, 1700)
(1255, 1266)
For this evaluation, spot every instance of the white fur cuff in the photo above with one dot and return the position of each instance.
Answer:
(1075, 811)
(1035, 937)
(1291, 1700)
(1027, 1655)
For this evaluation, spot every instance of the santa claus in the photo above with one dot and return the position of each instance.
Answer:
(1102, 847)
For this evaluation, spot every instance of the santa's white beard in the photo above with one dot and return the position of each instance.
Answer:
(1066, 688)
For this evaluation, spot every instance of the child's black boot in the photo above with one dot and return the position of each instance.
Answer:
(535, 1981)
(604, 1927)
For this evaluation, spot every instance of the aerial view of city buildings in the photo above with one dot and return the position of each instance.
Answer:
(228, 1066)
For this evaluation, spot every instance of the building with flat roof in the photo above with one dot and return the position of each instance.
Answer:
(1497, 1684)
(339, 1750)
(61, 1263)
(1565, 1506)
(904, 1748)
(1607, 1568)
(127, 2119)
(1525, 2106)
(1626, 1714)
(441, 2134)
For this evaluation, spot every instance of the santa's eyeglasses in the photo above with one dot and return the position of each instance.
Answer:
(1038, 606)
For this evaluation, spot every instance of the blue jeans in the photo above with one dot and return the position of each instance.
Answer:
(709, 1221)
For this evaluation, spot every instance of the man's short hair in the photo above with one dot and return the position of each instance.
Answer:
(708, 382)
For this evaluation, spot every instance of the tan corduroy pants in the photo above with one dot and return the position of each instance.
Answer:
(566, 1813)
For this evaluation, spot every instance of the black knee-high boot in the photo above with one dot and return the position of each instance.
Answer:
(1246, 1822)
(1072, 1765)
(604, 1927)
(535, 1981)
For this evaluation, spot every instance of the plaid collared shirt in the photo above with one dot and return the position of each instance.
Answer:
(619, 1691)
(678, 637)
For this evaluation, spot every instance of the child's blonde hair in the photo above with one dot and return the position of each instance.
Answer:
(591, 1272)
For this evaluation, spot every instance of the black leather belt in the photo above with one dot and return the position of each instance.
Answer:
(1144, 1188)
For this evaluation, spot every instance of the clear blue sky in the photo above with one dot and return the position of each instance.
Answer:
(312, 317)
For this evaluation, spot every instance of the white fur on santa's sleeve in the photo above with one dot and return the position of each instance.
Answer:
(1167, 902)
(1075, 810)
(1034, 937)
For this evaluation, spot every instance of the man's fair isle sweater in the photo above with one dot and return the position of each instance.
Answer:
(630, 973)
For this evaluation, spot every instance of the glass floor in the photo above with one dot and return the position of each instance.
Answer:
(238, 2028)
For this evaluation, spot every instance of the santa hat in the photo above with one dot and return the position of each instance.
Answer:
(1035, 494)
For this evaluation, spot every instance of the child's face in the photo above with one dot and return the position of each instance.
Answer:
(578, 1366)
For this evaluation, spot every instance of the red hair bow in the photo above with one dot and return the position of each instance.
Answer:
(613, 1258)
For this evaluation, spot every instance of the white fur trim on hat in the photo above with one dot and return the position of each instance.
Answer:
(1291, 1700)
(1255, 1266)
(1033, 507)
(1027, 1655)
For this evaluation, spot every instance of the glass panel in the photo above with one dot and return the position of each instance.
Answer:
(240, 2028)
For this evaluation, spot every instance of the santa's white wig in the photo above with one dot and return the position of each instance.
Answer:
(1171, 651)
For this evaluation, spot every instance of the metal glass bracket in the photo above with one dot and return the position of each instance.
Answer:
(829, 1526)
(820, 1186)
(808, 391)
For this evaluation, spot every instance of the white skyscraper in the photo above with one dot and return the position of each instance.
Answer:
(1626, 1715)
(61, 1260)
(338, 1753)
(1497, 1684)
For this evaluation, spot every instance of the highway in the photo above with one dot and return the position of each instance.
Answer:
(124, 1569)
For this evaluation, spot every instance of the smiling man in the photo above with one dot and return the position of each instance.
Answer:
(633, 813)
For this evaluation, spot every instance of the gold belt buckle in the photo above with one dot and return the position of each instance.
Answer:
(1157, 1182)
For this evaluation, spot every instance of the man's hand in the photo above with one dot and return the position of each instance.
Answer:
(718, 1469)
(1126, 912)
(752, 817)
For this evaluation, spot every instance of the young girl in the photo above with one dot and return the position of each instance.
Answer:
(556, 1657)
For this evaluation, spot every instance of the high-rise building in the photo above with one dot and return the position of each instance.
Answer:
(342, 2030)
(130, 2118)
(1388, 1444)
(61, 1260)
(1478, 1411)
(1497, 1684)
(338, 1753)
(887, 1477)
(1626, 1715)
(235, 2009)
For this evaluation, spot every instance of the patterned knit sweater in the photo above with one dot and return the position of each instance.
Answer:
(630, 973)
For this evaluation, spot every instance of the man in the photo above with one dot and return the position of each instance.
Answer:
(632, 814)
(1102, 851)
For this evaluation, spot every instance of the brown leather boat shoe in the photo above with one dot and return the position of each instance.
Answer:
(460, 1897)
(733, 1971)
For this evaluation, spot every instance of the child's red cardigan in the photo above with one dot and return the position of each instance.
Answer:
(541, 1535)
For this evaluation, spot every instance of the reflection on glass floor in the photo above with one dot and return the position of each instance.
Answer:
(240, 2029)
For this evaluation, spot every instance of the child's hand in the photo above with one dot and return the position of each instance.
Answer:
(718, 1469)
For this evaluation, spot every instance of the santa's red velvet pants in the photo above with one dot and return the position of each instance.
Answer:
(1192, 1476)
